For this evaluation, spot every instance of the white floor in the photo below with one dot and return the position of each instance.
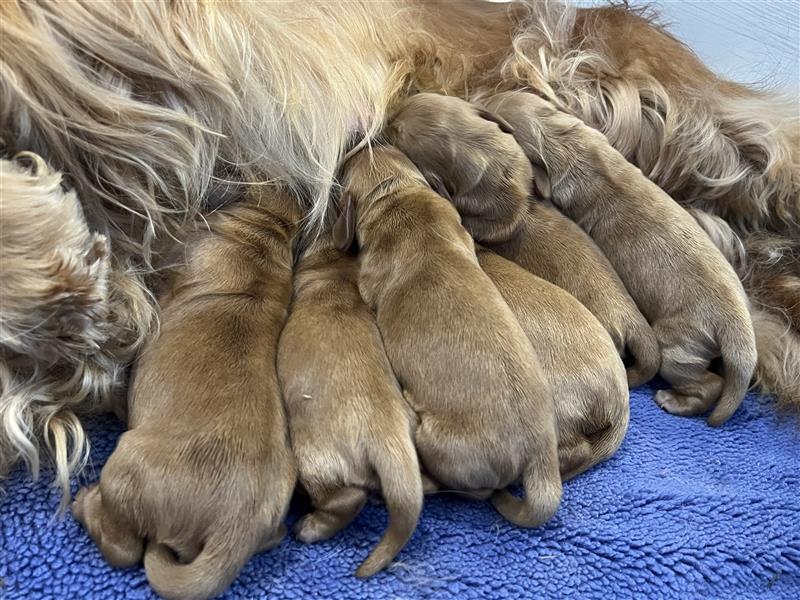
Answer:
(750, 41)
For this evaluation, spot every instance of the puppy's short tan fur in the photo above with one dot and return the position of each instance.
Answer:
(468, 370)
(678, 278)
(350, 427)
(469, 156)
(554, 248)
(579, 360)
(206, 471)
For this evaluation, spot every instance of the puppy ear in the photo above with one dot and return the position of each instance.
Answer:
(504, 125)
(541, 180)
(344, 230)
(438, 186)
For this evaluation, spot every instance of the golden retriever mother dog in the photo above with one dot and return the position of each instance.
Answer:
(149, 108)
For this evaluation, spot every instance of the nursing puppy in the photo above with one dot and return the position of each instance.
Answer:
(467, 368)
(554, 248)
(578, 359)
(678, 278)
(350, 426)
(204, 476)
(468, 155)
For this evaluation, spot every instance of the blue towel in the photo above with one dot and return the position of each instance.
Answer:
(681, 511)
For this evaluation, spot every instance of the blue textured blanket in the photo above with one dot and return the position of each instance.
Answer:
(682, 510)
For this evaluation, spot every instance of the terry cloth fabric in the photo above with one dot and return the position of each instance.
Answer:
(681, 511)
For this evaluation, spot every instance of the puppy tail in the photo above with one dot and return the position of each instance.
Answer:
(739, 357)
(397, 466)
(778, 368)
(542, 484)
(207, 576)
(642, 346)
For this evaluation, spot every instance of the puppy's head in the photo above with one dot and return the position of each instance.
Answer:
(53, 294)
(534, 120)
(469, 156)
(368, 176)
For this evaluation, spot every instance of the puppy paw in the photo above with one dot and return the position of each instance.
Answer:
(682, 405)
(309, 529)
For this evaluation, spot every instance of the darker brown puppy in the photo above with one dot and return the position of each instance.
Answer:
(468, 370)
(578, 359)
(205, 474)
(469, 156)
(678, 278)
(554, 248)
(350, 427)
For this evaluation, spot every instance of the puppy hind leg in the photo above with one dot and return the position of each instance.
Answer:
(591, 446)
(118, 541)
(333, 512)
(429, 485)
(695, 389)
(272, 538)
(574, 455)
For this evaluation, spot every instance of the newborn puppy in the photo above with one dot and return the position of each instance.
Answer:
(467, 368)
(678, 278)
(554, 248)
(204, 476)
(469, 156)
(350, 426)
(578, 358)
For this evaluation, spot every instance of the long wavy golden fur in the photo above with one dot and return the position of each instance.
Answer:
(150, 110)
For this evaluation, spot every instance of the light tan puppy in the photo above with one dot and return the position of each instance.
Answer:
(469, 156)
(552, 247)
(350, 427)
(468, 370)
(578, 358)
(678, 278)
(204, 477)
